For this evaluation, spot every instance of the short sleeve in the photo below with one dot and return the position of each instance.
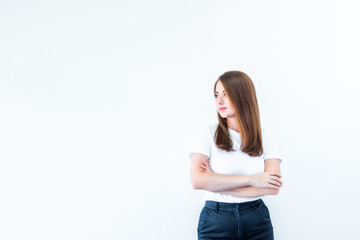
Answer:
(270, 146)
(201, 142)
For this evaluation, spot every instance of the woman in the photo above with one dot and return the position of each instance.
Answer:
(236, 163)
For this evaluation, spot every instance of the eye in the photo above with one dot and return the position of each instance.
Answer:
(215, 95)
(225, 94)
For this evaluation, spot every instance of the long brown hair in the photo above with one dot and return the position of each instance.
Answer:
(242, 95)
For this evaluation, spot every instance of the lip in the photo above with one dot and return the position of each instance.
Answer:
(221, 109)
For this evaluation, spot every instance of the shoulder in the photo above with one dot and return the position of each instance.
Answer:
(269, 138)
(210, 128)
(264, 132)
(206, 131)
(270, 144)
(267, 133)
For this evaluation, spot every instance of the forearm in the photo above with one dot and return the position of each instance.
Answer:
(215, 182)
(249, 192)
(202, 177)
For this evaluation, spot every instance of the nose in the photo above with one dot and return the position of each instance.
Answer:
(220, 100)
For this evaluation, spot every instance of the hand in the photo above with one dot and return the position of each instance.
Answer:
(266, 180)
(205, 165)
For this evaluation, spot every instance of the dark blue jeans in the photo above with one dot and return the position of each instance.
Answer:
(240, 221)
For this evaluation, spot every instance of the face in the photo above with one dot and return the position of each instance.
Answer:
(222, 101)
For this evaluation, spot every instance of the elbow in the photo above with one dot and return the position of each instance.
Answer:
(196, 187)
(196, 184)
(276, 191)
(269, 191)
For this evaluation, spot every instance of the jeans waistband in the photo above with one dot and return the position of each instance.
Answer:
(223, 206)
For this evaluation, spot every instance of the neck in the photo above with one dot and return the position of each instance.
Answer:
(231, 122)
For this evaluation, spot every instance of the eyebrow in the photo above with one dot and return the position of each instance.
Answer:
(218, 92)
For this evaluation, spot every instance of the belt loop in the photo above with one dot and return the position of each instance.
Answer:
(217, 206)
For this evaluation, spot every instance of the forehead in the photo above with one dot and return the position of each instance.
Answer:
(219, 87)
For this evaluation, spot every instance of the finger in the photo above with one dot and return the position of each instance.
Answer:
(277, 174)
(275, 183)
(274, 174)
(204, 164)
(273, 186)
(277, 179)
(204, 167)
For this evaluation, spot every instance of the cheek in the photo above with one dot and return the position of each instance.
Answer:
(228, 103)
(232, 109)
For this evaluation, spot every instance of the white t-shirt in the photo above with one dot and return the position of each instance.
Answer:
(234, 162)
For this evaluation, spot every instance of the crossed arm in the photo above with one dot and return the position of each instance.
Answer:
(266, 183)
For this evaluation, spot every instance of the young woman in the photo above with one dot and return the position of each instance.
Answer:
(236, 162)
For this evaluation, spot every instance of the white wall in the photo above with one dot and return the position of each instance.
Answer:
(99, 101)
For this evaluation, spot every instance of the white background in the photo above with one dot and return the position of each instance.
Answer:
(100, 100)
